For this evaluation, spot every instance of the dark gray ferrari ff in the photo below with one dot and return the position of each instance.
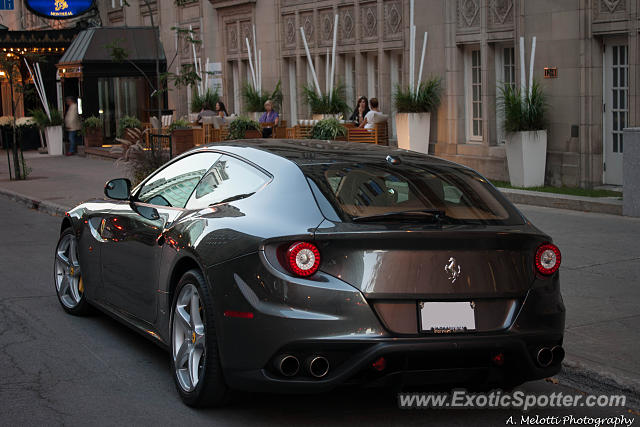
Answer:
(299, 266)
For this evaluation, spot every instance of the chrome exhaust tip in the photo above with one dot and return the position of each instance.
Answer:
(318, 366)
(558, 354)
(544, 357)
(287, 364)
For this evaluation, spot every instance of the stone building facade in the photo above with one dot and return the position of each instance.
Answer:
(473, 45)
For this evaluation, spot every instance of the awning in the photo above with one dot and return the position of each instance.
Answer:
(88, 54)
(41, 42)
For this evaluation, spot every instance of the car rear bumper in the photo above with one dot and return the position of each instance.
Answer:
(451, 360)
(328, 317)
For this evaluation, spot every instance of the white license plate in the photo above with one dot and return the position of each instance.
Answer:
(444, 317)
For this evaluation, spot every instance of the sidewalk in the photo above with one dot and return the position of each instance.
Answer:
(600, 268)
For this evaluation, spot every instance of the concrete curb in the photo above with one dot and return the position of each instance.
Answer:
(599, 378)
(49, 208)
(606, 205)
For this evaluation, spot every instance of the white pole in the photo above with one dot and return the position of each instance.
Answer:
(523, 77)
(326, 73)
(333, 55)
(260, 71)
(313, 69)
(206, 75)
(255, 53)
(176, 30)
(195, 62)
(531, 61)
(44, 93)
(412, 47)
(253, 73)
(424, 49)
(37, 86)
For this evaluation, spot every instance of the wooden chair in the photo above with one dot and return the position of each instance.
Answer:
(369, 136)
(210, 134)
(382, 131)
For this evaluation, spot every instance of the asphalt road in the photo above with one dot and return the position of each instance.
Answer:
(56, 369)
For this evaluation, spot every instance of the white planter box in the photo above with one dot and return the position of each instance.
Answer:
(53, 135)
(527, 158)
(412, 130)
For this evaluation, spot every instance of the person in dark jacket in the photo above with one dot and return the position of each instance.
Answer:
(362, 108)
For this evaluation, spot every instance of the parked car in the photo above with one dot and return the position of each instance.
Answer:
(300, 266)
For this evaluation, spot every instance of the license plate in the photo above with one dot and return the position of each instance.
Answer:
(446, 317)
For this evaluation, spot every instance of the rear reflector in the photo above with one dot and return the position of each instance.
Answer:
(380, 364)
(240, 314)
(303, 258)
(548, 259)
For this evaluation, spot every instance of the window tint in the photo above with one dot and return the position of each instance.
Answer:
(227, 178)
(362, 190)
(173, 185)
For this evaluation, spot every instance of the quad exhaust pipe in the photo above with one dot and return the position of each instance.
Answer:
(548, 355)
(287, 364)
(318, 366)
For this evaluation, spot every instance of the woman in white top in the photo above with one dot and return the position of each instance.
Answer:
(369, 120)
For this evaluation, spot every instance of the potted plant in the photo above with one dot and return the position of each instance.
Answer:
(413, 114)
(128, 122)
(254, 100)
(28, 133)
(198, 102)
(182, 138)
(328, 129)
(524, 124)
(325, 106)
(52, 128)
(244, 128)
(92, 131)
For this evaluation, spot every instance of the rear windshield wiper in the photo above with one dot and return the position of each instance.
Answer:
(436, 214)
(233, 198)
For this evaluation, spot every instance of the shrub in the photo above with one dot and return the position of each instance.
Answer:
(323, 104)
(179, 124)
(209, 98)
(254, 101)
(328, 129)
(523, 114)
(425, 100)
(42, 120)
(127, 122)
(240, 125)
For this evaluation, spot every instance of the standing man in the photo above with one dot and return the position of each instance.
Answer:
(72, 123)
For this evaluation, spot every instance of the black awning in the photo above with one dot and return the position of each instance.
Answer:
(90, 51)
(37, 39)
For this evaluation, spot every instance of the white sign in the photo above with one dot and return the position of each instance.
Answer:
(214, 82)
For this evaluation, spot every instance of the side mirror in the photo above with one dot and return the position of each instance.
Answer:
(118, 189)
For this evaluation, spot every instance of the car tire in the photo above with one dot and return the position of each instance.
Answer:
(204, 387)
(67, 275)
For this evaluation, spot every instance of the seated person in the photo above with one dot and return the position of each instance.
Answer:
(221, 110)
(269, 116)
(374, 116)
(205, 112)
(362, 108)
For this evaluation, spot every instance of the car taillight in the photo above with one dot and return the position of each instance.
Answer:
(303, 258)
(548, 259)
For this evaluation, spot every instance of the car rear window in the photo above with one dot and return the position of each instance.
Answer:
(357, 190)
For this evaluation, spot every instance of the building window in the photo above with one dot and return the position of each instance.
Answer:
(473, 84)
(508, 66)
(505, 75)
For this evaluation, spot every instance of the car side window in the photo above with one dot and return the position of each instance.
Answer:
(228, 178)
(173, 185)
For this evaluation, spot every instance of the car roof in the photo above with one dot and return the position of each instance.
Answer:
(312, 151)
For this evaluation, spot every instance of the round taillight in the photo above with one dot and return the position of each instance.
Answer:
(548, 259)
(303, 258)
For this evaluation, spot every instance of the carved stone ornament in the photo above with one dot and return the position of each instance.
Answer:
(290, 30)
(500, 10)
(468, 10)
(369, 21)
(347, 24)
(393, 17)
(611, 5)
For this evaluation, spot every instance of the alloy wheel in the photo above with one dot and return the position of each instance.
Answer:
(188, 340)
(67, 269)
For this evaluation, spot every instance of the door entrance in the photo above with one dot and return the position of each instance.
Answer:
(616, 108)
